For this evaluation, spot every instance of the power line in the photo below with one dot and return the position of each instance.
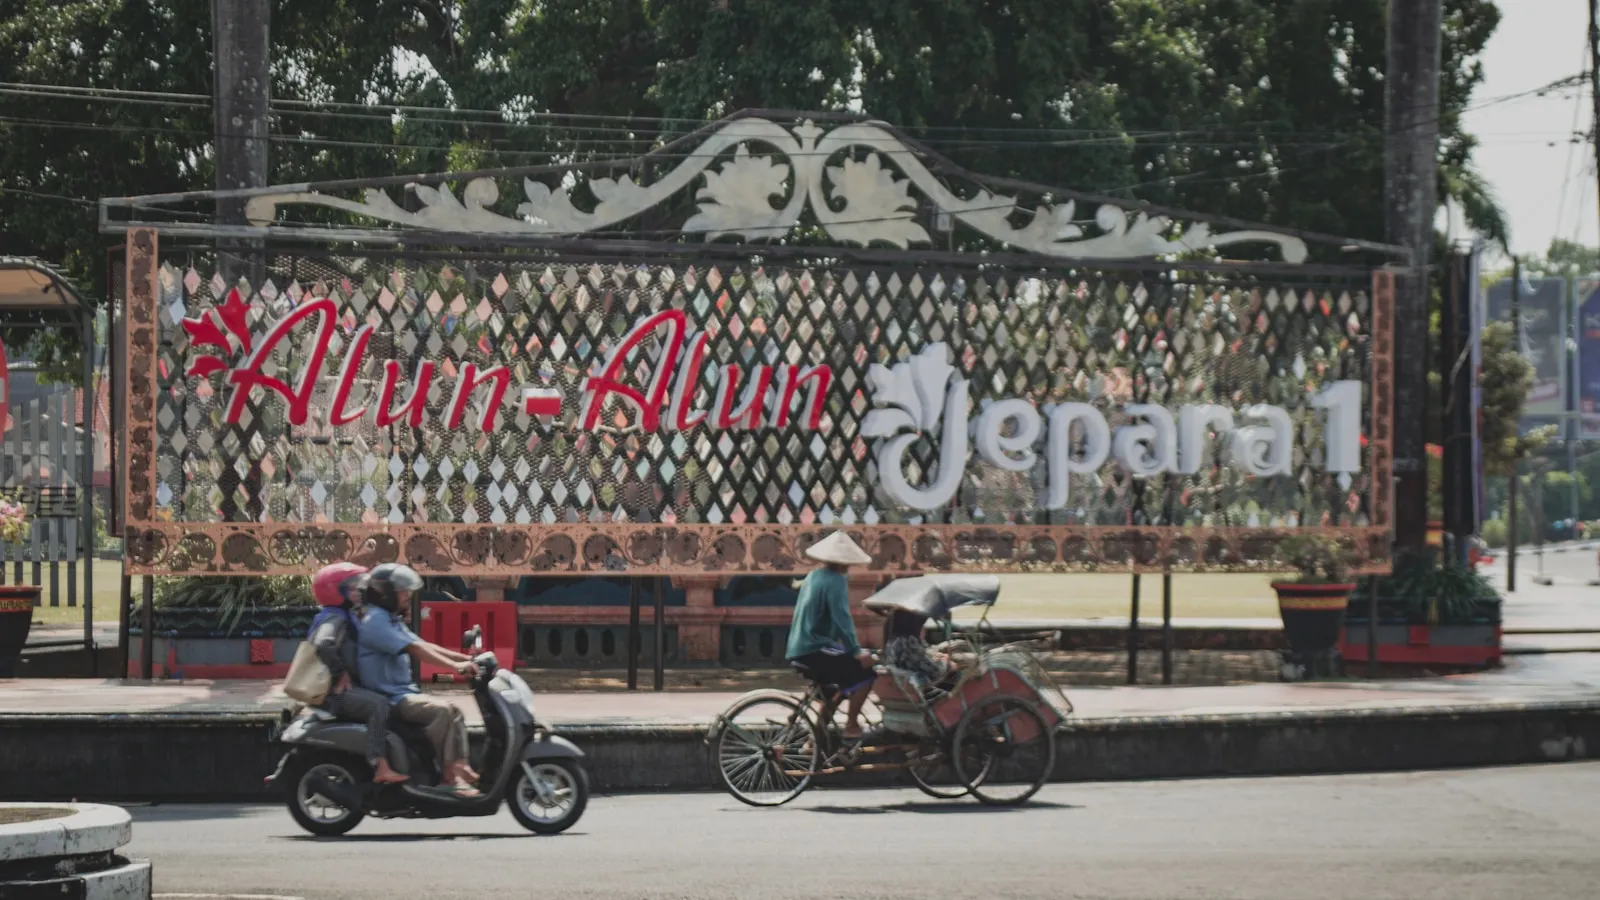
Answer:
(41, 195)
(557, 154)
(386, 110)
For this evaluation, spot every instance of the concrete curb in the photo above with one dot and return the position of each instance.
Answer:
(71, 856)
(196, 757)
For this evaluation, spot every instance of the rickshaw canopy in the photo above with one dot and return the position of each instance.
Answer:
(934, 596)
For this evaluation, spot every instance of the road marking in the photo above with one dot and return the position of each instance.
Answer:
(224, 897)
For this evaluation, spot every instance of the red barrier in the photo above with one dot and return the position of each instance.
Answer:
(443, 622)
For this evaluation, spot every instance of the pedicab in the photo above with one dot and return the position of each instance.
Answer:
(987, 728)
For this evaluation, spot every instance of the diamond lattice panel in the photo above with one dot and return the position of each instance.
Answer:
(532, 493)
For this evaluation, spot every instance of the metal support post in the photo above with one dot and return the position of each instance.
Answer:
(661, 635)
(1166, 628)
(1133, 634)
(147, 639)
(633, 634)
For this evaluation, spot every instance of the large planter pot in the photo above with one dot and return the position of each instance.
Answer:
(1470, 640)
(68, 850)
(16, 620)
(1313, 623)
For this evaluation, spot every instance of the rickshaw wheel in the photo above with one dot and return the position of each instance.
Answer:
(1003, 750)
(764, 741)
(937, 777)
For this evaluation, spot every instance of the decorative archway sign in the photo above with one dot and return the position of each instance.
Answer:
(701, 360)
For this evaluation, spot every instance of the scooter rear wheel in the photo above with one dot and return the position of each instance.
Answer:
(319, 815)
(549, 795)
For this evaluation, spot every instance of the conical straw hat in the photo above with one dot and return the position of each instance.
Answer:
(837, 548)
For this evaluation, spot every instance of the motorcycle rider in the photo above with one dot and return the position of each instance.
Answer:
(385, 645)
(337, 590)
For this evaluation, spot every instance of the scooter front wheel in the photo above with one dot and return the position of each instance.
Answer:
(308, 802)
(549, 795)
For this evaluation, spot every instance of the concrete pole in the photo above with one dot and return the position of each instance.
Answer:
(1594, 76)
(241, 89)
(1412, 137)
(1511, 511)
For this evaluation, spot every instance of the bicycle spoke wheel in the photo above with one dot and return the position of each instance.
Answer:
(933, 774)
(1003, 750)
(767, 751)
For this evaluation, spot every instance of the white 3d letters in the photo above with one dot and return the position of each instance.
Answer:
(1150, 447)
(1096, 447)
(1265, 449)
(1078, 439)
(952, 458)
(1342, 433)
(997, 449)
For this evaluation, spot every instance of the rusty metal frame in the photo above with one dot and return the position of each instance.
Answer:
(165, 547)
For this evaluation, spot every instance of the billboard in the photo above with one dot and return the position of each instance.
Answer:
(1588, 335)
(1543, 305)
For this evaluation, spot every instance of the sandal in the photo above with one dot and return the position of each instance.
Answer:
(464, 791)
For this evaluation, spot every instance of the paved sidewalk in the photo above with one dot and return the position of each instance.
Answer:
(1525, 680)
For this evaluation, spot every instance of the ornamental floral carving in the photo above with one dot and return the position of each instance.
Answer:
(872, 193)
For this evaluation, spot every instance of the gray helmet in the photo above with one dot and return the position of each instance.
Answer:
(386, 581)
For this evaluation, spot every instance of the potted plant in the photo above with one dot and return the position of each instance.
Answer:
(1431, 612)
(1312, 604)
(17, 602)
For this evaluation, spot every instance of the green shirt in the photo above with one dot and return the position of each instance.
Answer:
(822, 615)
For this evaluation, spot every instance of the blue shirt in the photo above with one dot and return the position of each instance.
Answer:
(382, 663)
(822, 616)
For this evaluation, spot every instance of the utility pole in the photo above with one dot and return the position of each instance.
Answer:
(1594, 81)
(1412, 136)
(240, 91)
(1511, 513)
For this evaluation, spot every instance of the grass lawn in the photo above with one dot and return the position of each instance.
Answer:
(107, 594)
(1104, 596)
(1021, 597)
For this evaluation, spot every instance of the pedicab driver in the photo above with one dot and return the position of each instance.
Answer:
(822, 636)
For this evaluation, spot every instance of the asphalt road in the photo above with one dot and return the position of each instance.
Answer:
(1494, 833)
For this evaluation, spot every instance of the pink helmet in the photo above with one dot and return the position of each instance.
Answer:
(329, 584)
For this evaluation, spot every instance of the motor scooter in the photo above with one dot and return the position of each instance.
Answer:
(539, 775)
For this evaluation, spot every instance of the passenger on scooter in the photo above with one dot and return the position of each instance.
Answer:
(337, 589)
(386, 643)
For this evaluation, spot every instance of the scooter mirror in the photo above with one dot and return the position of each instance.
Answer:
(472, 638)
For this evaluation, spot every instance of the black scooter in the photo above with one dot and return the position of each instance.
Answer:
(540, 776)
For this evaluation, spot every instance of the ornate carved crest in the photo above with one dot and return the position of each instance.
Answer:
(861, 182)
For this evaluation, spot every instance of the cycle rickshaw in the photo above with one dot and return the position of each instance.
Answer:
(986, 729)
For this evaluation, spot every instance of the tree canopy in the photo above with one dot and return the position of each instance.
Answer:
(1269, 110)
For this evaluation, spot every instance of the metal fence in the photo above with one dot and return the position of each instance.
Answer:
(40, 463)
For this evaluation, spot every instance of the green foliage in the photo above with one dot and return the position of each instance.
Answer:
(1496, 531)
(1434, 592)
(1557, 497)
(1270, 110)
(1315, 559)
(102, 540)
(1505, 380)
(1564, 259)
(234, 596)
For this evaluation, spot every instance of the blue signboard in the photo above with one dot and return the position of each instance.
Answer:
(1588, 334)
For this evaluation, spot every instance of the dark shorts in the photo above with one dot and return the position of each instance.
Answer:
(840, 670)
